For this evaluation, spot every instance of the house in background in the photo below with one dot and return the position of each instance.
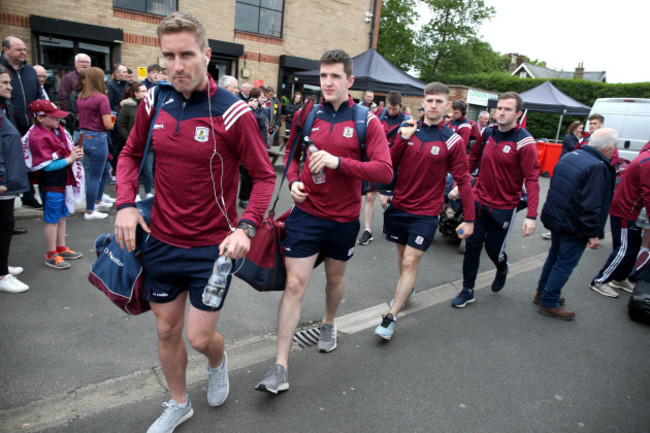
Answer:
(528, 70)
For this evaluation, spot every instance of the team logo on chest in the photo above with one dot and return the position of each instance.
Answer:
(201, 134)
(435, 150)
(348, 132)
(506, 149)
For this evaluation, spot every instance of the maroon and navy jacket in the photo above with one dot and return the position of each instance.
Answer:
(424, 161)
(185, 136)
(391, 124)
(463, 128)
(633, 191)
(338, 199)
(508, 161)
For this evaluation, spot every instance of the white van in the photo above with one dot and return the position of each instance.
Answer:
(630, 117)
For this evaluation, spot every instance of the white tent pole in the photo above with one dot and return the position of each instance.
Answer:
(557, 136)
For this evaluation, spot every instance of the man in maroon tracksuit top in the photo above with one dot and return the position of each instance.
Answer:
(325, 218)
(200, 135)
(632, 194)
(508, 160)
(424, 153)
(459, 123)
(391, 118)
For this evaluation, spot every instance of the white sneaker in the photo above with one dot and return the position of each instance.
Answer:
(604, 289)
(108, 199)
(11, 284)
(149, 195)
(137, 198)
(104, 205)
(95, 215)
(15, 270)
(626, 285)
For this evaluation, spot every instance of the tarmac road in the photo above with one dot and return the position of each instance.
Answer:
(73, 362)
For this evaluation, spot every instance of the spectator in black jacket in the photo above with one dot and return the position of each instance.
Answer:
(13, 181)
(154, 75)
(573, 137)
(115, 90)
(291, 108)
(24, 90)
(575, 211)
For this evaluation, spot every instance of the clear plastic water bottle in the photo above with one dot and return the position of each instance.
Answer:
(213, 292)
(318, 177)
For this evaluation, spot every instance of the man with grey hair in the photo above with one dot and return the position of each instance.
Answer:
(575, 212)
(41, 73)
(483, 120)
(69, 80)
(244, 91)
(229, 83)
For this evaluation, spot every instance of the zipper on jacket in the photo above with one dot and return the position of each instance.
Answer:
(333, 121)
(180, 118)
(22, 89)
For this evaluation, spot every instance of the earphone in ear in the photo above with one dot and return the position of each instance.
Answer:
(207, 60)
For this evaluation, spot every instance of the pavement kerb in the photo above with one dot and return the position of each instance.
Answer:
(57, 409)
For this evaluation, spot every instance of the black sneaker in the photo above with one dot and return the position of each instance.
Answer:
(500, 280)
(365, 238)
(243, 203)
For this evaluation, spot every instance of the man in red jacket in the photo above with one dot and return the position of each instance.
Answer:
(325, 218)
(508, 161)
(200, 135)
(424, 153)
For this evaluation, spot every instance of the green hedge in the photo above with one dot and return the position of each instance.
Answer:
(543, 125)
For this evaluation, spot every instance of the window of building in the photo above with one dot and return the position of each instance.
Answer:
(156, 7)
(260, 16)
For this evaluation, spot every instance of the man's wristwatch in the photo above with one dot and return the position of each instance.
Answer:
(249, 229)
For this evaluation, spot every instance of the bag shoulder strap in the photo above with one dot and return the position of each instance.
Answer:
(361, 125)
(161, 91)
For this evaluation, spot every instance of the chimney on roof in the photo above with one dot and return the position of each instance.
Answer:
(513, 63)
(580, 71)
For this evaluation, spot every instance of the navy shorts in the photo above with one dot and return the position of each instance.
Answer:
(170, 270)
(416, 231)
(308, 235)
(54, 207)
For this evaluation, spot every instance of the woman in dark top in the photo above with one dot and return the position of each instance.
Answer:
(291, 108)
(572, 138)
(13, 182)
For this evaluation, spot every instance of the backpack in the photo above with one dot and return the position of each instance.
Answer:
(360, 125)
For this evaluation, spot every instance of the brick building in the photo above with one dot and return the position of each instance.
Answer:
(265, 40)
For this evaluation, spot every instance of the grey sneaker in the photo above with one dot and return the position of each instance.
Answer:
(626, 285)
(275, 380)
(218, 385)
(56, 262)
(604, 289)
(172, 417)
(327, 339)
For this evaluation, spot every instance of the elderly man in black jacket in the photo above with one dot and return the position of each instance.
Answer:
(575, 212)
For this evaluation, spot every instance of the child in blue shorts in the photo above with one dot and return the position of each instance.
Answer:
(50, 150)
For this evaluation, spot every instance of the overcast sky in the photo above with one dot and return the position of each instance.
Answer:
(606, 36)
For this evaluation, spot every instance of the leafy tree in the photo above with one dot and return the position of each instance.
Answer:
(473, 56)
(396, 41)
(454, 23)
